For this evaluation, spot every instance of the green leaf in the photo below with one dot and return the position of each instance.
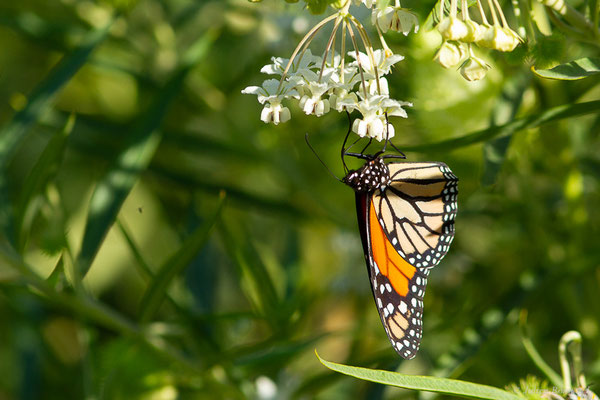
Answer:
(571, 71)
(157, 288)
(505, 109)
(112, 190)
(424, 383)
(14, 132)
(254, 278)
(42, 172)
(533, 121)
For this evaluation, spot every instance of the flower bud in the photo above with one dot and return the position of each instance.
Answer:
(449, 54)
(475, 32)
(474, 69)
(275, 113)
(452, 28)
(499, 38)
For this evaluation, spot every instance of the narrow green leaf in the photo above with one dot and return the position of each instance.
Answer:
(533, 121)
(157, 288)
(42, 172)
(252, 274)
(425, 383)
(505, 109)
(571, 71)
(14, 132)
(112, 190)
(534, 354)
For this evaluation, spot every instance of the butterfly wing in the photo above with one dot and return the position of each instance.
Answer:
(406, 230)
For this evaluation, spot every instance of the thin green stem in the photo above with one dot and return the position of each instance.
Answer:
(483, 17)
(343, 52)
(329, 44)
(493, 11)
(305, 39)
(368, 47)
(360, 68)
(504, 23)
(535, 356)
(571, 342)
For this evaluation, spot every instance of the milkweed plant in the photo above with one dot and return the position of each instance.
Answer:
(350, 74)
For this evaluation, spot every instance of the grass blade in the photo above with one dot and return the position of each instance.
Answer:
(533, 121)
(507, 106)
(424, 383)
(571, 71)
(42, 172)
(157, 288)
(110, 193)
(534, 354)
(255, 280)
(14, 132)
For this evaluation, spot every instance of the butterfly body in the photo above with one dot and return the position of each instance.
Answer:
(406, 214)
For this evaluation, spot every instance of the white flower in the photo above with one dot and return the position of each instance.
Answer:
(274, 112)
(307, 61)
(373, 121)
(383, 62)
(393, 108)
(449, 54)
(268, 91)
(452, 28)
(343, 100)
(312, 102)
(382, 88)
(395, 18)
(474, 69)
(499, 38)
(475, 32)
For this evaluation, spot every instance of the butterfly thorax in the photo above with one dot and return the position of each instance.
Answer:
(374, 175)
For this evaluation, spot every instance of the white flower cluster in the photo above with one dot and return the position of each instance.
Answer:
(345, 81)
(319, 91)
(459, 32)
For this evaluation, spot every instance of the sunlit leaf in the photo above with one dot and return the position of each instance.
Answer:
(571, 71)
(44, 169)
(422, 383)
(533, 121)
(15, 131)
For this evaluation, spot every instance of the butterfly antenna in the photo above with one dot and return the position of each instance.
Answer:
(319, 158)
(387, 138)
(344, 150)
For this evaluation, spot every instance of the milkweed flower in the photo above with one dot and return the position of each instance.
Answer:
(474, 69)
(373, 122)
(460, 28)
(449, 54)
(396, 19)
(452, 28)
(273, 111)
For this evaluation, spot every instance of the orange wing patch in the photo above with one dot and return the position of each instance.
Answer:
(389, 262)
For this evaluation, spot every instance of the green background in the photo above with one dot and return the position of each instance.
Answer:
(190, 296)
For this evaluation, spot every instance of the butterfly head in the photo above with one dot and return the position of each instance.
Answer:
(374, 175)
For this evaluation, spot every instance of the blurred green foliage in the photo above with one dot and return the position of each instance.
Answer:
(160, 242)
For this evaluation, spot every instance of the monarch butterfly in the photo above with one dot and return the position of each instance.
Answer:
(406, 214)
